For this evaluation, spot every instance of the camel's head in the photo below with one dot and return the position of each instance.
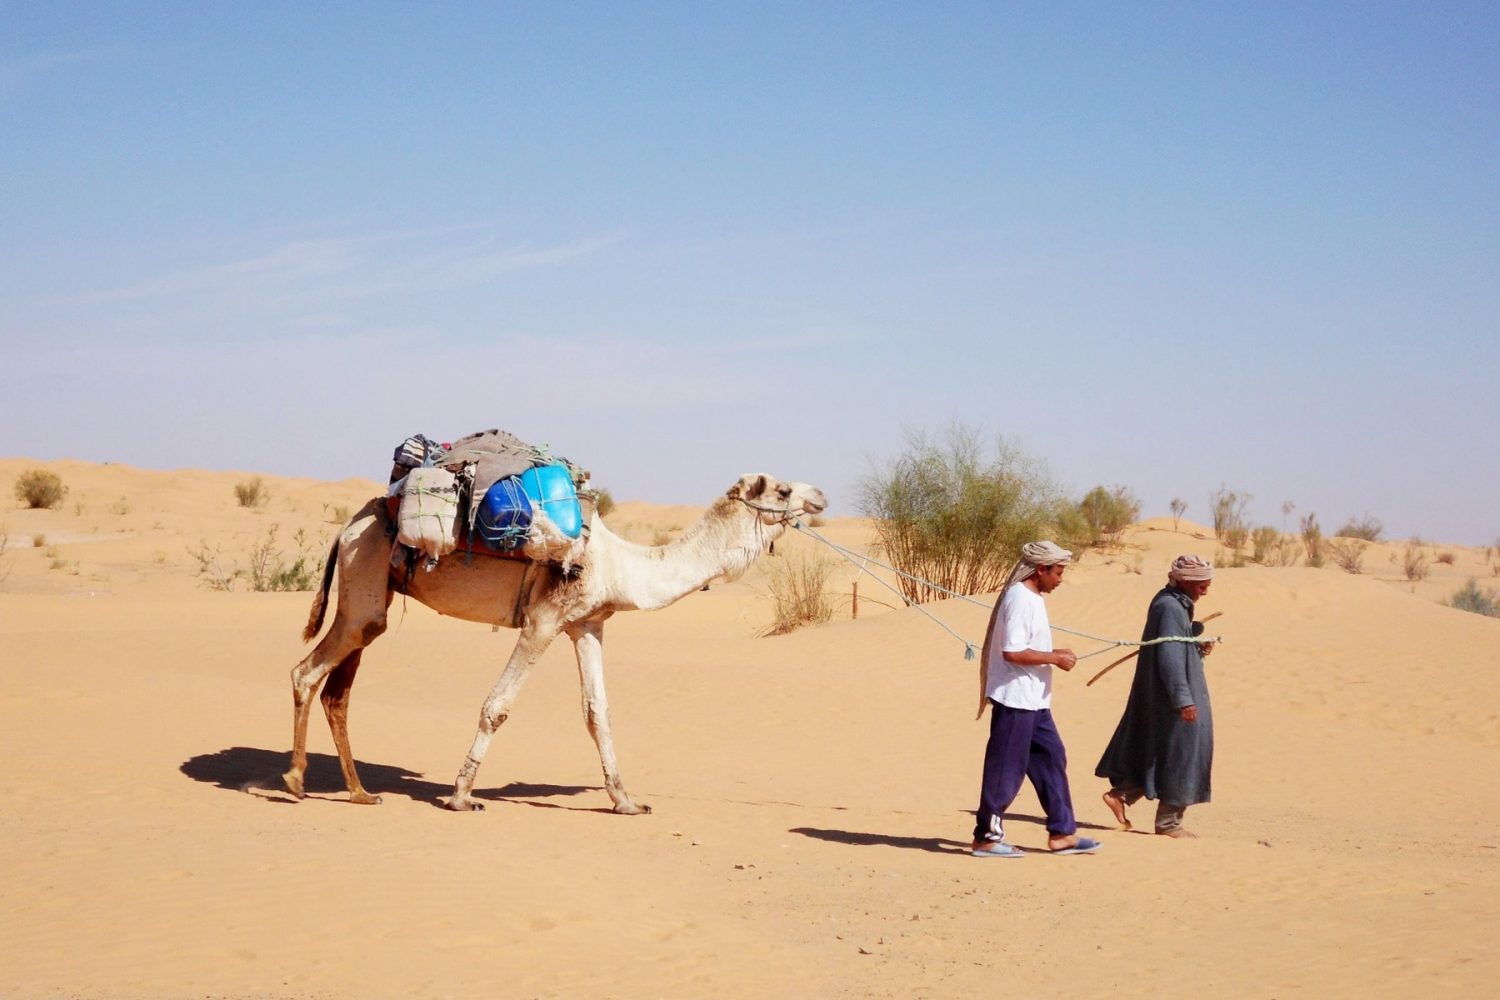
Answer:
(777, 503)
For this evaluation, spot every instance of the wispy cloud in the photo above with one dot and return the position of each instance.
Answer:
(328, 270)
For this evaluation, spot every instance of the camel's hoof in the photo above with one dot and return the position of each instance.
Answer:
(463, 805)
(293, 783)
(631, 809)
(363, 798)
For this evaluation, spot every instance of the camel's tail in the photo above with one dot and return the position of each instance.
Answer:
(320, 603)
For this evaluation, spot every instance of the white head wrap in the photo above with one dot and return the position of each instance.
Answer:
(1190, 568)
(1033, 554)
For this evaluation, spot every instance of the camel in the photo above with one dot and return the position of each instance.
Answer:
(539, 599)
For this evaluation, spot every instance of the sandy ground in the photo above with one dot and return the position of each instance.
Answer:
(812, 792)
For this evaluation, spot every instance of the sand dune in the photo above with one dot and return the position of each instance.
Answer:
(811, 791)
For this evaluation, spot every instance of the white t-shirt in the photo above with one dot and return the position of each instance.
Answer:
(1022, 625)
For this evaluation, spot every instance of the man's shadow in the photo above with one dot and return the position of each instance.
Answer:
(933, 845)
(258, 772)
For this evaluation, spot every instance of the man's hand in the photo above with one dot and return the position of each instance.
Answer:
(1204, 648)
(1064, 658)
(1189, 714)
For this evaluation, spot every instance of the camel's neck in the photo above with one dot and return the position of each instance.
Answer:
(721, 545)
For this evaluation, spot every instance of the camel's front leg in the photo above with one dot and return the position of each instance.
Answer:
(588, 643)
(532, 644)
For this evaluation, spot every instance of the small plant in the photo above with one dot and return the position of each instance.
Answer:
(120, 507)
(1179, 508)
(1447, 558)
(211, 569)
(1264, 541)
(662, 536)
(1414, 564)
(797, 592)
(1367, 528)
(1108, 513)
(80, 508)
(1312, 540)
(39, 489)
(336, 513)
(1348, 553)
(38, 540)
(270, 570)
(251, 492)
(1229, 515)
(1470, 598)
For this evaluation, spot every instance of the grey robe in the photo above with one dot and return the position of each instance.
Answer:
(1153, 747)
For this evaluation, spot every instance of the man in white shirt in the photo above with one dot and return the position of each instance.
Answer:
(1024, 741)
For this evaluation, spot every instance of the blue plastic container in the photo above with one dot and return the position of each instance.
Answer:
(550, 490)
(504, 515)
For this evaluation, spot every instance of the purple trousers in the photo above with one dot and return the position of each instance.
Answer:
(1024, 743)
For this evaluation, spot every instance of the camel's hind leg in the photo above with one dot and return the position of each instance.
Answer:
(588, 643)
(363, 554)
(534, 640)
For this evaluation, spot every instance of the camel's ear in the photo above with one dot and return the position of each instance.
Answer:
(750, 487)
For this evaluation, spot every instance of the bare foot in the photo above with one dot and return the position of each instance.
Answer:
(1117, 806)
(1059, 843)
(1181, 833)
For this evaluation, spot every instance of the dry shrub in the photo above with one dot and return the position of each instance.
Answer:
(1414, 564)
(1228, 509)
(40, 489)
(1447, 558)
(1179, 508)
(1272, 548)
(1312, 540)
(251, 492)
(1348, 553)
(1367, 528)
(797, 582)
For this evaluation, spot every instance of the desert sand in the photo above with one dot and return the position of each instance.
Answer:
(811, 792)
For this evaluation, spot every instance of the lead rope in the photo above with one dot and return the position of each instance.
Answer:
(969, 648)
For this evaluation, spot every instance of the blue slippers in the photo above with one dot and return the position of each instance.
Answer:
(998, 849)
(1085, 845)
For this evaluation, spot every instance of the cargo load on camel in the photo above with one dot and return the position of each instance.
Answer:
(489, 494)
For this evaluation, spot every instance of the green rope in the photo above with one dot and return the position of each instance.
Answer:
(969, 648)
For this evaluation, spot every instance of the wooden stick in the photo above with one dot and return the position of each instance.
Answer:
(1136, 652)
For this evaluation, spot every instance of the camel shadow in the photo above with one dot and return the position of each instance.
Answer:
(258, 772)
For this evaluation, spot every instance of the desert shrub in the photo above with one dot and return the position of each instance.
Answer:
(1367, 528)
(270, 568)
(251, 492)
(336, 513)
(38, 540)
(1108, 513)
(956, 514)
(40, 489)
(1070, 528)
(1312, 540)
(1348, 553)
(1447, 558)
(1414, 563)
(273, 570)
(798, 598)
(1228, 509)
(120, 507)
(1470, 598)
(1179, 508)
(1264, 541)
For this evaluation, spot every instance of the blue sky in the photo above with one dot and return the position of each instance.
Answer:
(1169, 246)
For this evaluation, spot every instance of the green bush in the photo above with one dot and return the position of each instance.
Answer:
(40, 489)
(955, 514)
(1470, 598)
(1312, 540)
(604, 502)
(1108, 513)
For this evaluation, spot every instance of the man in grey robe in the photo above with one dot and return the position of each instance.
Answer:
(1163, 748)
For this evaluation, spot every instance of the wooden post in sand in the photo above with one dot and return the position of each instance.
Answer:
(855, 614)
